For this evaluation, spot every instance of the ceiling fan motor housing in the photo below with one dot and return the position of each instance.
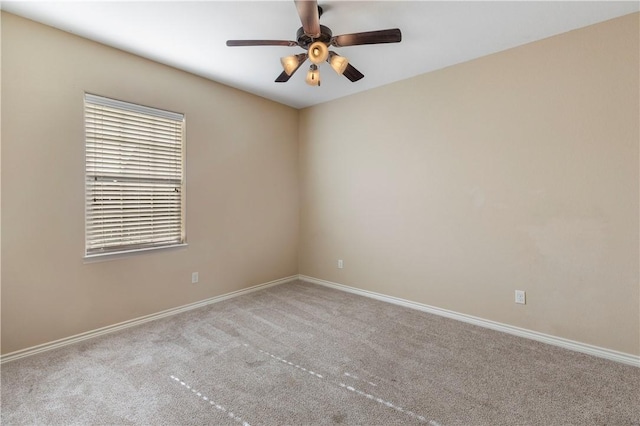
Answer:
(305, 41)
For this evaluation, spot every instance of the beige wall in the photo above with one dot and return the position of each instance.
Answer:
(514, 171)
(242, 188)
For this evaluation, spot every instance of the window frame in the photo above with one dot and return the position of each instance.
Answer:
(178, 239)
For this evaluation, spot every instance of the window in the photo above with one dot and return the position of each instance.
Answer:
(134, 187)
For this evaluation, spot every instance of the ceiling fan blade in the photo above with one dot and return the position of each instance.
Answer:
(234, 43)
(370, 37)
(284, 77)
(352, 73)
(309, 16)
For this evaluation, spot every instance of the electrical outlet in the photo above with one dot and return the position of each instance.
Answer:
(340, 264)
(521, 297)
(194, 277)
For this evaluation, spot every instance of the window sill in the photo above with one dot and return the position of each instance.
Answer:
(103, 257)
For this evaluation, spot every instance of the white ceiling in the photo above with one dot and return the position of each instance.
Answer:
(192, 35)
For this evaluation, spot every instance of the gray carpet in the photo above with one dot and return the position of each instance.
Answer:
(301, 354)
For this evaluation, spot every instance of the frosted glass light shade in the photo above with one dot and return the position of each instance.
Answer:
(289, 63)
(313, 76)
(318, 52)
(339, 63)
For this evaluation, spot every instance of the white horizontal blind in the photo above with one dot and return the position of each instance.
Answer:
(134, 176)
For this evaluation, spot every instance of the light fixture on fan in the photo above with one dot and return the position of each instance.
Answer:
(318, 52)
(293, 62)
(338, 63)
(313, 76)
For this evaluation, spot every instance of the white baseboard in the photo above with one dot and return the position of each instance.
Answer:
(136, 321)
(517, 331)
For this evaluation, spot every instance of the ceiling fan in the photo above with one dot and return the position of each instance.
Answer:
(316, 39)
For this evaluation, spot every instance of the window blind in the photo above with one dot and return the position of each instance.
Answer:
(134, 176)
